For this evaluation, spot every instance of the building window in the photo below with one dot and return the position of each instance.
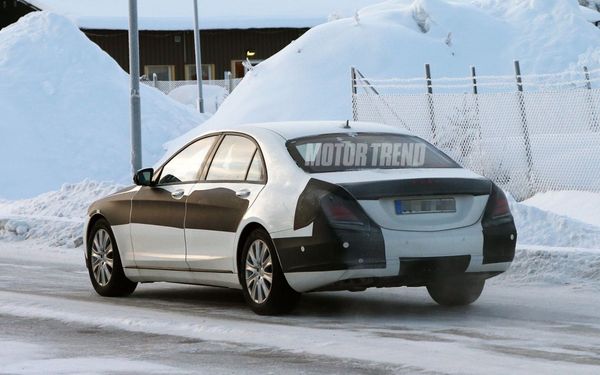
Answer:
(208, 72)
(163, 72)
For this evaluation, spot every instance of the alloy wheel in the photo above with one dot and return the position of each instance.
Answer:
(102, 257)
(259, 271)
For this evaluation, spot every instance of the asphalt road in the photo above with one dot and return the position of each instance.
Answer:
(52, 320)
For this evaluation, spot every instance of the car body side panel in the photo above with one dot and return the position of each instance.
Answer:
(116, 209)
(157, 226)
(212, 220)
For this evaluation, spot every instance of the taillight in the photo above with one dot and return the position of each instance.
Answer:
(497, 208)
(343, 212)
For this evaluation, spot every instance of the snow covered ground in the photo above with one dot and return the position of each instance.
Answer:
(52, 320)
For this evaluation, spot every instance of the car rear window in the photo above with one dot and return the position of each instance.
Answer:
(359, 151)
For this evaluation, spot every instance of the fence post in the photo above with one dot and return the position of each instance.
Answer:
(154, 79)
(474, 77)
(229, 81)
(354, 92)
(595, 126)
(524, 128)
(430, 102)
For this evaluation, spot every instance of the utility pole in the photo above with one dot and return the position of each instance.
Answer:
(200, 104)
(134, 73)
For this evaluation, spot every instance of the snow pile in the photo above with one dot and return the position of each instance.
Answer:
(213, 96)
(543, 228)
(56, 217)
(310, 78)
(555, 266)
(65, 110)
(579, 205)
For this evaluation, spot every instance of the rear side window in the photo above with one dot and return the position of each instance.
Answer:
(185, 166)
(232, 159)
(256, 172)
(360, 151)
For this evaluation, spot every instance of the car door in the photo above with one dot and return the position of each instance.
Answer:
(158, 212)
(232, 181)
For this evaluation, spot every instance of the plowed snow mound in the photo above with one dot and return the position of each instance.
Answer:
(310, 78)
(64, 110)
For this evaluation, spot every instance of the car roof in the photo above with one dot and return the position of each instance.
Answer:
(299, 129)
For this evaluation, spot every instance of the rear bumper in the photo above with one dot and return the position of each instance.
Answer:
(406, 259)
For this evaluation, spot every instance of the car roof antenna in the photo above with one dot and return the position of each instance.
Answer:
(347, 126)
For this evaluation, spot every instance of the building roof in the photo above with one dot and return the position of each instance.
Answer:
(178, 14)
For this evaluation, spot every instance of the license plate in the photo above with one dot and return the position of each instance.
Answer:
(424, 206)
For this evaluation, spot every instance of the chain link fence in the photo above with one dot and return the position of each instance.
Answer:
(168, 86)
(542, 135)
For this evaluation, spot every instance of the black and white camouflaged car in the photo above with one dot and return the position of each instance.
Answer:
(280, 209)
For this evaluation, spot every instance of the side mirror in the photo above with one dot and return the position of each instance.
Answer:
(143, 177)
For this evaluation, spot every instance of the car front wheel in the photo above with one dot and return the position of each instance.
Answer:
(457, 291)
(265, 288)
(104, 263)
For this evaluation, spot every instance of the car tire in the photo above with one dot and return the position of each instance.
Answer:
(456, 291)
(264, 286)
(104, 263)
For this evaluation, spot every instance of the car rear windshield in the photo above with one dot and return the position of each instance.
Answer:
(359, 151)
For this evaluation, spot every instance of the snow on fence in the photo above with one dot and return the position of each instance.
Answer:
(529, 134)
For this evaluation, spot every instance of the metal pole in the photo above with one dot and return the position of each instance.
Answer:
(525, 129)
(229, 81)
(588, 84)
(353, 79)
(474, 76)
(430, 103)
(134, 73)
(595, 126)
(200, 103)
(354, 91)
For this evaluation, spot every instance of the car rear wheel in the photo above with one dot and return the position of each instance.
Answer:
(104, 263)
(265, 288)
(457, 291)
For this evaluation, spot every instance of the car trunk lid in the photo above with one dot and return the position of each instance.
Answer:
(416, 199)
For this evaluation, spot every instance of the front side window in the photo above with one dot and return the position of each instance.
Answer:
(184, 167)
(232, 159)
(359, 151)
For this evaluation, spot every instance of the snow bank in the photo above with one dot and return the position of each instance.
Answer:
(213, 96)
(56, 217)
(578, 205)
(565, 266)
(543, 228)
(65, 110)
(310, 78)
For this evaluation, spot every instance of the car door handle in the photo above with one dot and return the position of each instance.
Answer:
(178, 194)
(244, 193)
